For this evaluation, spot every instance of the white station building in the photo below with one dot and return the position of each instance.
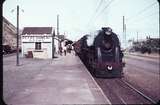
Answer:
(39, 41)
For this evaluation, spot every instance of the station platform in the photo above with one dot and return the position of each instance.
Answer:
(62, 80)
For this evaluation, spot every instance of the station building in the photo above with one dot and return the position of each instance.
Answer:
(9, 33)
(39, 41)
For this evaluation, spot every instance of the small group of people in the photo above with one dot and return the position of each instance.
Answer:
(66, 49)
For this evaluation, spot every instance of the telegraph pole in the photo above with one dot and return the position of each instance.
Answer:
(17, 35)
(17, 47)
(58, 30)
(53, 49)
(57, 25)
(124, 32)
(123, 25)
(125, 35)
(159, 21)
(59, 44)
(137, 36)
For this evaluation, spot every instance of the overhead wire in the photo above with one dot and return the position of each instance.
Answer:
(94, 14)
(143, 18)
(141, 11)
(99, 6)
(137, 19)
(110, 2)
(147, 16)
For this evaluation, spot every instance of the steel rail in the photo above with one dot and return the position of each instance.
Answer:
(142, 94)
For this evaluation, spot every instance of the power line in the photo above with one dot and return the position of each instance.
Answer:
(94, 14)
(144, 17)
(100, 3)
(104, 8)
(147, 23)
(143, 10)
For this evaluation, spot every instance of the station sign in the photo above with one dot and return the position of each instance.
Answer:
(36, 38)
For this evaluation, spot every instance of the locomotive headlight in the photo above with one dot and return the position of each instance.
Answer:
(109, 67)
(108, 33)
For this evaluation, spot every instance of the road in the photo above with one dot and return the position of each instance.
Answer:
(142, 73)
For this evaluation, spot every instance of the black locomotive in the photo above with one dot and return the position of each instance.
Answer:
(103, 57)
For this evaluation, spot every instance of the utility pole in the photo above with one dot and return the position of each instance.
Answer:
(17, 47)
(125, 35)
(17, 35)
(53, 48)
(137, 36)
(57, 25)
(124, 32)
(159, 16)
(59, 43)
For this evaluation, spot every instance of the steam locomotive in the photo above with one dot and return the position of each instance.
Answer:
(103, 57)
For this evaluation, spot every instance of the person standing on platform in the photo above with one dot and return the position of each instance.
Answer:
(60, 50)
(65, 50)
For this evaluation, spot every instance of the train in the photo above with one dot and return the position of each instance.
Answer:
(104, 57)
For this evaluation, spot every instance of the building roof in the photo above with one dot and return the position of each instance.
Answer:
(7, 22)
(37, 30)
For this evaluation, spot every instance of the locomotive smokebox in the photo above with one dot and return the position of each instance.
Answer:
(107, 43)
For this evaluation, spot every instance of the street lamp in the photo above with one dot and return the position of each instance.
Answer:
(17, 35)
(17, 60)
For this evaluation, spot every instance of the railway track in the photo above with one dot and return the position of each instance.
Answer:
(139, 92)
(120, 91)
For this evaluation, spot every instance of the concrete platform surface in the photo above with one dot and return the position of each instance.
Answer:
(63, 80)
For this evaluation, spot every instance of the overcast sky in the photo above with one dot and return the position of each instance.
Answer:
(78, 17)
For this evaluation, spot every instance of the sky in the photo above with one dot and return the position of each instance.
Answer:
(80, 17)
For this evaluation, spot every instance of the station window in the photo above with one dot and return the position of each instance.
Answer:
(38, 45)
